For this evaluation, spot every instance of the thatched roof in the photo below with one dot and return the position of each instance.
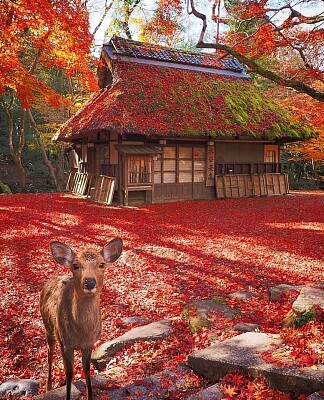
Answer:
(150, 99)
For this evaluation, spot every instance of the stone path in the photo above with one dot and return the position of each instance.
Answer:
(154, 331)
(239, 353)
(242, 353)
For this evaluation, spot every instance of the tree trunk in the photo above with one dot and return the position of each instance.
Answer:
(47, 161)
(16, 154)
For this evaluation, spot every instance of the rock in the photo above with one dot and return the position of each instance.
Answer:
(242, 353)
(276, 292)
(316, 396)
(308, 297)
(218, 305)
(59, 394)
(135, 320)
(241, 295)
(210, 393)
(98, 381)
(154, 331)
(246, 327)
(165, 385)
(197, 312)
(19, 387)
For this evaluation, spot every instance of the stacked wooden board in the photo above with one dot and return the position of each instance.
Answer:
(99, 188)
(248, 185)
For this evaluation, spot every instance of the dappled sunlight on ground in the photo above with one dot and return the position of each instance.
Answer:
(173, 253)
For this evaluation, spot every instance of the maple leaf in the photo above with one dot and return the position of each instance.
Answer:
(228, 390)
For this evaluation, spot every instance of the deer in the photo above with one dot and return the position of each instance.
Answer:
(70, 306)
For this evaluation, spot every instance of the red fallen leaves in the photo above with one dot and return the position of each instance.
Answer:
(302, 347)
(173, 253)
(235, 386)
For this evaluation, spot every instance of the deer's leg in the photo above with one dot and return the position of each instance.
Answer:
(86, 358)
(67, 355)
(50, 352)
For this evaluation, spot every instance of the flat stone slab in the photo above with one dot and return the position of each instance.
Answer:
(204, 307)
(59, 394)
(154, 331)
(135, 320)
(276, 292)
(242, 353)
(246, 327)
(98, 381)
(308, 297)
(165, 385)
(241, 295)
(210, 393)
(19, 387)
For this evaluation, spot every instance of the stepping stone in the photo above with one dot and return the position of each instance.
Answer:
(246, 327)
(59, 394)
(241, 295)
(165, 385)
(315, 396)
(309, 296)
(210, 393)
(154, 331)
(242, 353)
(198, 312)
(135, 320)
(203, 307)
(98, 381)
(276, 292)
(19, 387)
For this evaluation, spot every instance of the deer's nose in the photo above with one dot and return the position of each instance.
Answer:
(89, 283)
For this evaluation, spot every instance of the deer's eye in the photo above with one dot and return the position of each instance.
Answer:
(102, 265)
(75, 266)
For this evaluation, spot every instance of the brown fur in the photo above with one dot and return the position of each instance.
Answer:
(71, 311)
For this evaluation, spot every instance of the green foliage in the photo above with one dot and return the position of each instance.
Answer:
(4, 189)
(185, 314)
(303, 174)
(38, 178)
(305, 317)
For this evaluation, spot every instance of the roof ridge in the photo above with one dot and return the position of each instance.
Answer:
(137, 49)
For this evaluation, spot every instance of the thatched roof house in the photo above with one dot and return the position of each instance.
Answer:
(164, 104)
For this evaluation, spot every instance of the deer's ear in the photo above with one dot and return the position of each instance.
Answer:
(62, 253)
(112, 250)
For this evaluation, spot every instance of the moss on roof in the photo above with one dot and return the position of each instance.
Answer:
(152, 100)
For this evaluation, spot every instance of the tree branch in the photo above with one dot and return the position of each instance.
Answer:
(106, 10)
(299, 86)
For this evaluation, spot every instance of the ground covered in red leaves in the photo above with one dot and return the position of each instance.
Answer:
(173, 253)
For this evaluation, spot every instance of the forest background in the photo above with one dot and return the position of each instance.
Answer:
(49, 53)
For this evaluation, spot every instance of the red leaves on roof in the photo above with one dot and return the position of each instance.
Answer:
(149, 100)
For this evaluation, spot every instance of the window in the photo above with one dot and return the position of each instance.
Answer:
(183, 164)
(270, 154)
(199, 156)
(139, 169)
(169, 165)
(102, 158)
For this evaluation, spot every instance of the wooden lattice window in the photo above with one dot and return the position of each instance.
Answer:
(139, 170)
(102, 157)
(183, 164)
(270, 154)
